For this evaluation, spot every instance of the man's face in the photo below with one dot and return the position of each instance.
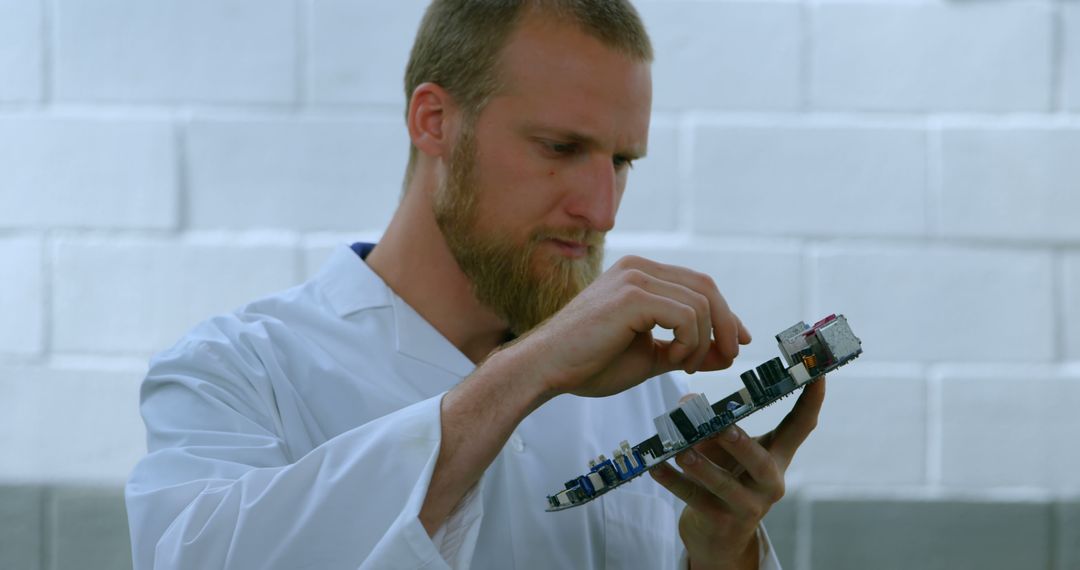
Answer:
(535, 181)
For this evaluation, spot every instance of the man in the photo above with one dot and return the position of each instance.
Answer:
(411, 405)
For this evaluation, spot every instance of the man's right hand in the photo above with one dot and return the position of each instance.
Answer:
(601, 343)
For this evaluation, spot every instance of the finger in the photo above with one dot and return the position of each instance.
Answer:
(652, 310)
(743, 332)
(798, 423)
(756, 461)
(720, 483)
(691, 298)
(725, 329)
(716, 453)
(694, 495)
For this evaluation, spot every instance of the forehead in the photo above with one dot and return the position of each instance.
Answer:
(555, 74)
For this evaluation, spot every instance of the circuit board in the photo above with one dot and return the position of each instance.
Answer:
(810, 352)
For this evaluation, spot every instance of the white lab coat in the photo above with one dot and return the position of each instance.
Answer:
(302, 430)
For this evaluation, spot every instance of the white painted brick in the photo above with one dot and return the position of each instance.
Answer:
(653, 188)
(305, 175)
(20, 50)
(1011, 183)
(762, 286)
(87, 173)
(725, 55)
(1071, 293)
(1009, 430)
(316, 255)
(21, 299)
(176, 50)
(1071, 52)
(73, 425)
(941, 304)
(871, 431)
(809, 180)
(359, 50)
(140, 296)
(932, 56)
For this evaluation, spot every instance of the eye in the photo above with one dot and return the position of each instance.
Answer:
(621, 162)
(561, 148)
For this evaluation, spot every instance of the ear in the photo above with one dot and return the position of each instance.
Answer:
(431, 115)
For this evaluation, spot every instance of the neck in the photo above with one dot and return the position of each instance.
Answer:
(413, 259)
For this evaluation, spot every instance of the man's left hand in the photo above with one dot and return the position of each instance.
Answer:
(730, 482)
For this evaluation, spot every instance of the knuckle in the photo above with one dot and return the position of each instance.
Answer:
(635, 277)
(701, 302)
(706, 281)
(688, 313)
(628, 262)
(778, 492)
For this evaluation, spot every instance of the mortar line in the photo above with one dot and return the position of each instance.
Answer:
(1057, 58)
(684, 164)
(47, 527)
(934, 428)
(302, 9)
(1054, 514)
(48, 50)
(935, 181)
(182, 179)
(803, 531)
(47, 248)
(1058, 276)
(806, 51)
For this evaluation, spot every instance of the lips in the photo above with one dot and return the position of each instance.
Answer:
(572, 249)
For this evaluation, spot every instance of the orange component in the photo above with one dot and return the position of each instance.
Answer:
(810, 361)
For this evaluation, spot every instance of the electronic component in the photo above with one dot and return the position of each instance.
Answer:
(809, 351)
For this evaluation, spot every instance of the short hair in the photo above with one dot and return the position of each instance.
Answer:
(459, 43)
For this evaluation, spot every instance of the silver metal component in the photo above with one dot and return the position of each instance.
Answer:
(838, 338)
(697, 408)
(792, 340)
(670, 436)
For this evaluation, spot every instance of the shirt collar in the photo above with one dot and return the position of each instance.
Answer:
(351, 286)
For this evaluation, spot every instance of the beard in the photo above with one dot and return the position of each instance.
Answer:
(522, 283)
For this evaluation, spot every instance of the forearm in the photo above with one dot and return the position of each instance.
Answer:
(478, 417)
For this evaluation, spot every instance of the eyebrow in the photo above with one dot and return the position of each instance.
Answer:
(580, 138)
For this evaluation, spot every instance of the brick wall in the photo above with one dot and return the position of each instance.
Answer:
(913, 164)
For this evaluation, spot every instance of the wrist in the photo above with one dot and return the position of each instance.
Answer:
(524, 376)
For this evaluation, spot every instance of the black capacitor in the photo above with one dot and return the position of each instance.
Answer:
(767, 375)
(771, 372)
(777, 370)
(608, 475)
(753, 386)
(683, 424)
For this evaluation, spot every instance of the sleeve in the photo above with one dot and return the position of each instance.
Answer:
(218, 488)
(767, 559)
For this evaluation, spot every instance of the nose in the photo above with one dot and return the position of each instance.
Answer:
(596, 199)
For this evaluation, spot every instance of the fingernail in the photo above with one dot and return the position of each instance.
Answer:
(689, 457)
(732, 434)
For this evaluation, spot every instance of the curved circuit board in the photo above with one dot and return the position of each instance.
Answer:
(809, 351)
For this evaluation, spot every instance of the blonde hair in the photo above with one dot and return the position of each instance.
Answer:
(460, 41)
